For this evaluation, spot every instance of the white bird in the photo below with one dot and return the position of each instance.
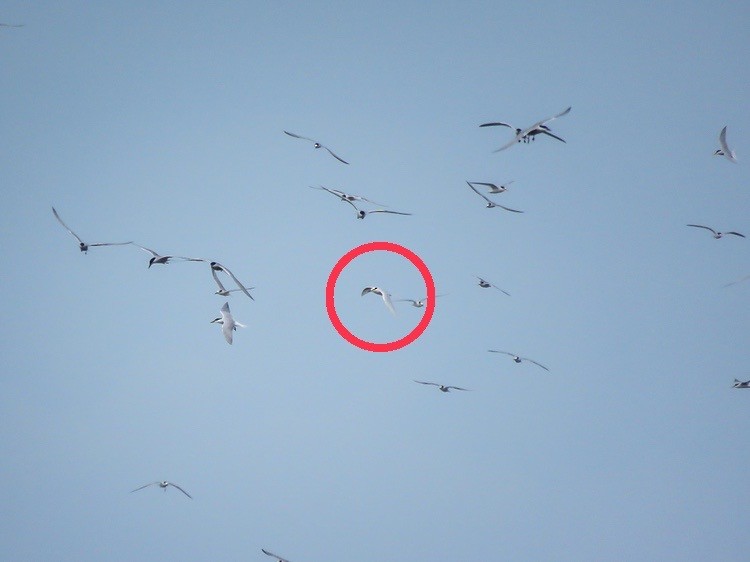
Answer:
(316, 144)
(490, 202)
(493, 189)
(228, 324)
(163, 484)
(417, 304)
(518, 359)
(386, 297)
(725, 150)
(216, 266)
(347, 196)
(83, 246)
(442, 387)
(158, 258)
(740, 384)
(272, 555)
(486, 285)
(717, 234)
(525, 135)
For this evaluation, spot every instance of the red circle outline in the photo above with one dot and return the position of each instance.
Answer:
(346, 260)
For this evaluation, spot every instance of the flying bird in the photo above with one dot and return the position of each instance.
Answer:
(386, 297)
(716, 234)
(216, 266)
(745, 278)
(442, 387)
(417, 304)
(360, 213)
(492, 187)
(272, 555)
(347, 196)
(316, 144)
(228, 324)
(740, 384)
(528, 134)
(12, 24)
(163, 485)
(518, 359)
(486, 285)
(83, 246)
(158, 258)
(725, 150)
(490, 202)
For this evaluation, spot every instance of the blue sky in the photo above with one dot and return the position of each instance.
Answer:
(162, 123)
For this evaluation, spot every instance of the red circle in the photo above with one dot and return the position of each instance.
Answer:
(373, 247)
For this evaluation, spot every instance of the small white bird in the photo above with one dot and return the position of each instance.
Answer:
(158, 258)
(316, 144)
(518, 359)
(383, 293)
(490, 202)
(362, 213)
(725, 150)
(486, 285)
(347, 196)
(228, 324)
(528, 134)
(216, 266)
(717, 234)
(272, 555)
(493, 189)
(83, 246)
(163, 485)
(442, 387)
(740, 384)
(417, 304)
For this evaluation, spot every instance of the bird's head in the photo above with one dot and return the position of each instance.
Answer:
(718, 152)
(217, 321)
(361, 214)
(317, 145)
(151, 262)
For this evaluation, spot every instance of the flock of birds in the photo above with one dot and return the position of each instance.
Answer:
(363, 207)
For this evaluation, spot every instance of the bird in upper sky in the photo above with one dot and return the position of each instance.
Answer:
(717, 234)
(12, 24)
(361, 213)
(216, 266)
(316, 144)
(528, 134)
(383, 293)
(347, 196)
(486, 285)
(272, 555)
(228, 323)
(83, 246)
(740, 384)
(490, 202)
(417, 303)
(158, 258)
(492, 187)
(518, 359)
(725, 150)
(745, 278)
(163, 485)
(442, 387)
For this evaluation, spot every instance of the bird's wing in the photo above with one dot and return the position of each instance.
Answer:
(456, 388)
(704, 227)
(387, 211)
(146, 250)
(279, 558)
(240, 285)
(548, 119)
(506, 208)
(430, 383)
(534, 362)
(181, 490)
(501, 290)
(497, 124)
(550, 134)
(144, 486)
(334, 192)
(388, 302)
(226, 329)
(110, 244)
(407, 300)
(735, 233)
(334, 155)
(366, 290)
(299, 136)
(66, 226)
(503, 352)
(475, 190)
(12, 25)
(723, 141)
(510, 143)
(352, 204)
(184, 258)
(216, 278)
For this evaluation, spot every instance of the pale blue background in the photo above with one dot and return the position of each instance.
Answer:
(162, 123)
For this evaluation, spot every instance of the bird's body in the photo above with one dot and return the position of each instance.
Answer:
(716, 233)
(83, 246)
(442, 387)
(741, 384)
(228, 323)
(316, 144)
(163, 485)
(725, 151)
(528, 134)
(518, 358)
(348, 197)
(486, 285)
(490, 203)
(383, 293)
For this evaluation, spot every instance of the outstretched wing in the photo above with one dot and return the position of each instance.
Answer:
(144, 486)
(334, 155)
(299, 136)
(497, 124)
(503, 352)
(146, 249)
(181, 490)
(110, 244)
(534, 362)
(550, 134)
(66, 226)
(456, 388)
(704, 227)
(388, 302)
(735, 233)
(216, 278)
(429, 383)
(387, 211)
(237, 281)
(278, 558)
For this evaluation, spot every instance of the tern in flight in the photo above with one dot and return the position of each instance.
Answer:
(216, 266)
(725, 150)
(361, 213)
(417, 304)
(347, 196)
(83, 246)
(272, 555)
(12, 24)
(490, 202)
(383, 293)
(163, 485)
(442, 387)
(486, 285)
(740, 384)
(228, 324)
(717, 234)
(493, 189)
(316, 144)
(158, 258)
(525, 135)
(518, 359)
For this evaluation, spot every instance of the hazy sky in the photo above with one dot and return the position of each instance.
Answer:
(161, 123)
